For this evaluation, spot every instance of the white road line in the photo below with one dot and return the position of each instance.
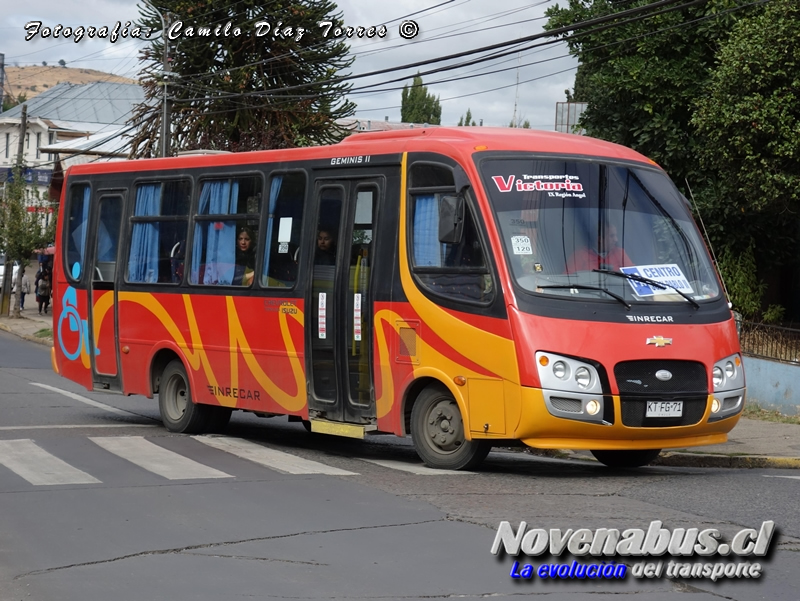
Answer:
(790, 477)
(419, 469)
(277, 460)
(25, 458)
(72, 426)
(83, 399)
(156, 459)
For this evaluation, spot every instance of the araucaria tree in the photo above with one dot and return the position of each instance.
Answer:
(418, 106)
(243, 75)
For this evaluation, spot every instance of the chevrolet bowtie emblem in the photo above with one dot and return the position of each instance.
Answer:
(659, 341)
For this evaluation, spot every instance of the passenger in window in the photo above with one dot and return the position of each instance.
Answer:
(326, 247)
(611, 256)
(245, 257)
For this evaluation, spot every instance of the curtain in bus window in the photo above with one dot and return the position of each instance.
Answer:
(143, 263)
(77, 250)
(216, 198)
(427, 248)
(274, 190)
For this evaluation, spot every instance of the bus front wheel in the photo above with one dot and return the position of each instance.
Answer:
(178, 412)
(438, 432)
(620, 459)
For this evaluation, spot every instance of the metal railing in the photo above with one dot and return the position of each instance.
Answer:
(769, 342)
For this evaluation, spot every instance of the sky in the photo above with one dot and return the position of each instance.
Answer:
(525, 85)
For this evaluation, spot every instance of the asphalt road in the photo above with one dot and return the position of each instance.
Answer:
(98, 501)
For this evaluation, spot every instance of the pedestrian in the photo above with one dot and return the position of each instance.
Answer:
(26, 288)
(44, 292)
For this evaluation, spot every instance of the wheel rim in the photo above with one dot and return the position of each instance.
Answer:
(177, 397)
(444, 430)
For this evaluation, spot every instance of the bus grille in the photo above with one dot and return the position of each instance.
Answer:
(637, 383)
(639, 377)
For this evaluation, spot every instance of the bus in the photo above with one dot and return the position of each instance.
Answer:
(467, 287)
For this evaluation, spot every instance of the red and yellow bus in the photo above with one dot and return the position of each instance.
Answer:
(468, 287)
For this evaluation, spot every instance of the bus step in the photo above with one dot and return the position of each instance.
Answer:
(323, 426)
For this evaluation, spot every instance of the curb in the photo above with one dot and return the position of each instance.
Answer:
(682, 459)
(48, 341)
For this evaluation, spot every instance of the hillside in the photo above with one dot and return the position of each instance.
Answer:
(34, 80)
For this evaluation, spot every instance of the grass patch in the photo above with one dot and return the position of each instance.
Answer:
(44, 333)
(754, 411)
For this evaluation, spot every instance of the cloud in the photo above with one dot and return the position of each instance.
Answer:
(489, 89)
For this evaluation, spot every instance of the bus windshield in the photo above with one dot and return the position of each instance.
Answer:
(597, 231)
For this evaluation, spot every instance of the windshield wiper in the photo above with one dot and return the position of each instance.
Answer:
(649, 282)
(583, 287)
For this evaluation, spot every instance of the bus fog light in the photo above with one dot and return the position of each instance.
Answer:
(583, 377)
(715, 406)
(593, 407)
(560, 370)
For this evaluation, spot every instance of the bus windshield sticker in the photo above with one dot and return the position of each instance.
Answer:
(322, 312)
(285, 230)
(668, 274)
(521, 245)
(565, 185)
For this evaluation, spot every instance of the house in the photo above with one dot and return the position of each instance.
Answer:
(66, 113)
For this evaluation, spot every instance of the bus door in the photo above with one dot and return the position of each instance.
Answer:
(340, 332)
(103, 325)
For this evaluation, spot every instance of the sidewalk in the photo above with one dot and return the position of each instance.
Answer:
(752, 443)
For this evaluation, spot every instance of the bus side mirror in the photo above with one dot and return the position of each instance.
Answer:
(451, 219)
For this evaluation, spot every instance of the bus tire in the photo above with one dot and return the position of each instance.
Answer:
(178, 412)
(622, 459)
(438, 432)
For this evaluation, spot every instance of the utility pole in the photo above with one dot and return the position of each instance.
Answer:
(2, 78)
(166, 130)
(23, 129)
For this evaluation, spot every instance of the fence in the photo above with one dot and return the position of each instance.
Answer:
(769, 342)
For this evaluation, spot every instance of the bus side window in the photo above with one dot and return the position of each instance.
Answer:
(160, 221)
(287, 193)
(457, 270)
(78, 222)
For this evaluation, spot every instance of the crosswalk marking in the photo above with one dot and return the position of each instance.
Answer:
(156, 459)
(277, 460)
(25, 458)
(419, 469)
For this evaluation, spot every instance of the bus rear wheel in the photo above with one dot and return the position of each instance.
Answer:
(178, 412)
(621, 459)
(438, 432)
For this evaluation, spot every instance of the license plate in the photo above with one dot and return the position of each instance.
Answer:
(664, 409)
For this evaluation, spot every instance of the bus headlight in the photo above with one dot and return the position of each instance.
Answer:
(557, 372)
(717, 377)
(727, 374)
(560, 370)
(583, 378)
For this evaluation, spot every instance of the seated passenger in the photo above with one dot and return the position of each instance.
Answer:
(611, 257)
(245, 258)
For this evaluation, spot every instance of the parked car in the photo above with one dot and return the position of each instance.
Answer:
(3, 269)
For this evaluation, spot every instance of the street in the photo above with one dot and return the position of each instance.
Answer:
(98, 501)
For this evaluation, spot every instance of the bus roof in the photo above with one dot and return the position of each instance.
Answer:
(457, 141)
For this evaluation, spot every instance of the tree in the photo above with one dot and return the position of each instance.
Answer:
(237, 84)
(466, 119)
(418, 106)
(21, 229)
(640, 79)
(44, 63)
(749, 124)
(524, 125)
(10, 102)
(62, 62)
